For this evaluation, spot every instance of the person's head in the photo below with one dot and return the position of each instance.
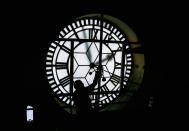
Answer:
(78, 84)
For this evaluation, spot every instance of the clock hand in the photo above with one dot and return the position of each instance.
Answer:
(87, 48)
(108, 57)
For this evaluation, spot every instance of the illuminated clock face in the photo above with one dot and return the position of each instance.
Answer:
(81, 47)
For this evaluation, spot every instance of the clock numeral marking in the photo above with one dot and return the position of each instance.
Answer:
(105, 89)
(63, 47)
(108, 36)
(53, 86)
(75, 33)
(115, 79)
(93, 33)
(61, 65)
(66, 49)
(117, 65)
(65, 81)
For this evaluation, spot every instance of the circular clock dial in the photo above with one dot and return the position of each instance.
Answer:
(75, 55)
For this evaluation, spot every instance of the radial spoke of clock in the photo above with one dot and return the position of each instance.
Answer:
(109, 36)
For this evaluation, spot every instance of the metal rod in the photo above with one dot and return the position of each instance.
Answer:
(93, 40)
(101, 93)
(122, 66)
(71, 72)
(100, 59)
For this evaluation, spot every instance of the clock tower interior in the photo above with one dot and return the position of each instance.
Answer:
(40, 110)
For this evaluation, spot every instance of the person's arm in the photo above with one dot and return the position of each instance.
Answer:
(95, 81)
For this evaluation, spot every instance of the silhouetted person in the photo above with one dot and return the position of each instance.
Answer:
(81, 95)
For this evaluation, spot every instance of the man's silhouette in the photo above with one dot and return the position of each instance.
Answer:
(81, 97)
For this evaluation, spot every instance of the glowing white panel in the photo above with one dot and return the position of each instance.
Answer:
(69, 26)
(62, 73)
(69, 34)
(66, 30)
(82, 22)
(30, 115)
(48, 63)
(62, 57)
(78, 24)
(51, 49)
(50, 54)
(62, 33)
(49, 58)
(73, 24)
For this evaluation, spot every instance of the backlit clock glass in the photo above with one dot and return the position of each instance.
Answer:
(77, 52)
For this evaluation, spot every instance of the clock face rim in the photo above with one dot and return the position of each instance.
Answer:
(114, 58)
